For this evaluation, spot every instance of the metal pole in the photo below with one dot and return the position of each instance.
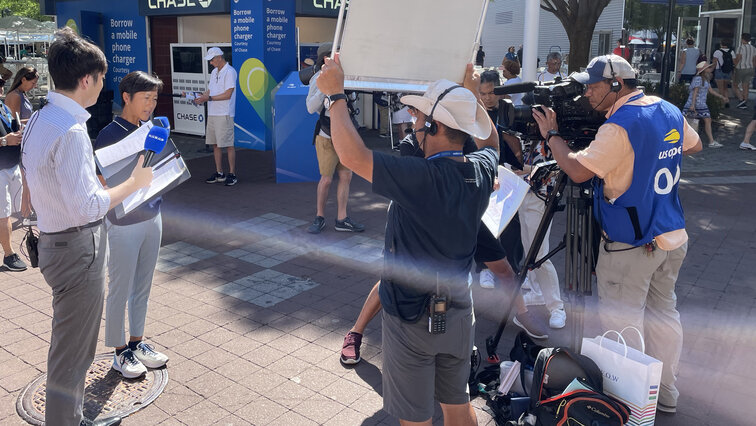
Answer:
(667, 51)
(530, 44)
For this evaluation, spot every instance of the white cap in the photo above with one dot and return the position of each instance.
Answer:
(213, 52)
(458, 109)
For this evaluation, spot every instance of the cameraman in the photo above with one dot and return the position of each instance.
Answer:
(436, 206)
(635, 165)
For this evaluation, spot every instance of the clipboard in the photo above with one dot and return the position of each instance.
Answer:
(169, 170)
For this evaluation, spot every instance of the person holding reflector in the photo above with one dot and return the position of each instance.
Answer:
(436, 206)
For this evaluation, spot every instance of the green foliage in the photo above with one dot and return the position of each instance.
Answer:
(678, 95)
(644, 16)
(27, 8)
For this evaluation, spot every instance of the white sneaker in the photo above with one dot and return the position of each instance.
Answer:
(128, 365)
(715, 144)
(558, 318)
(148, 356)
(747, 146)
(487, 279)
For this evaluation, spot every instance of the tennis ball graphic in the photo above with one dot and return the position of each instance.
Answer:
(72, 24)
(256, 82)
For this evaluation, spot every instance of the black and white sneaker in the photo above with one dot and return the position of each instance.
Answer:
(231, 179)
(347, 225)
(128, 365)
(317, 225)
(14, 263)
(216, 178)
(149, 357)
(743, 105)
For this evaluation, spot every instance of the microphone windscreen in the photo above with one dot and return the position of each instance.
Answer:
(156, 139)
(515, 88)
(162, 122)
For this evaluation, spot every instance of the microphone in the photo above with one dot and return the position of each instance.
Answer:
(162, 122)
(515, 88)
(154, 142)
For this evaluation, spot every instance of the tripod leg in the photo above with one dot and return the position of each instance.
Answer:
(552, 202)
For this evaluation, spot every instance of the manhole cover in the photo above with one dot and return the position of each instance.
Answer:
(107, 393)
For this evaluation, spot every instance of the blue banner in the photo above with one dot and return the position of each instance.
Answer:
(264, 52)
(124, 35)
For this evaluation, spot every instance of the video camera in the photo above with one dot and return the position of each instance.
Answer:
(578, 121)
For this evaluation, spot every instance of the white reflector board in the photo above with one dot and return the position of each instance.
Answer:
(404, 45)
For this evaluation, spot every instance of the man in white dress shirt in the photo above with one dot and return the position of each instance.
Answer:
(70, 203)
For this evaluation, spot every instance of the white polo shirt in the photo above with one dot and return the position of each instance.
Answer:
(220, 81)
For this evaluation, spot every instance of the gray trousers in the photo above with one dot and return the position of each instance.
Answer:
(73, 264)
(131, 265)
(637, 288)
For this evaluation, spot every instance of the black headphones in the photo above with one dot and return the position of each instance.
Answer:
(616, 86)
(431, 126)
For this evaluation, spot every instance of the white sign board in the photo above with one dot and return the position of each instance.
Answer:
(401, 45)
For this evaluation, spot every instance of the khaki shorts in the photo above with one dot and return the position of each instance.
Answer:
(419, 367)
(743, 76)
(220, 131)
(328, 161)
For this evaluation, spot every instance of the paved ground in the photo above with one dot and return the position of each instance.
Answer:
(252, 310)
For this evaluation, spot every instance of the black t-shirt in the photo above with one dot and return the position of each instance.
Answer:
(112, 133)
(506, 153)
(432, 226)
(10, 156)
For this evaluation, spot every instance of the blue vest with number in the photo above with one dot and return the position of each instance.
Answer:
(651, 206)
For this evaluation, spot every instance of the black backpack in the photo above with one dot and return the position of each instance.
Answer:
(555, 369)
(727, 63)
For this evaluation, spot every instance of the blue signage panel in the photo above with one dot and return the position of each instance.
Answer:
(264, 52)
(124, 31)
(182, 7)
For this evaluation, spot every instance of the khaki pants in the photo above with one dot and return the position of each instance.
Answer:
(545, 277)
(637, 288)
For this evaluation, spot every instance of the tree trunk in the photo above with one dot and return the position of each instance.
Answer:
(580, 47)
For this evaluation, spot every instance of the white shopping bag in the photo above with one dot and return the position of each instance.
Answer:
(630, 375)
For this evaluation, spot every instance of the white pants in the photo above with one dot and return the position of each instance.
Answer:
(132, 258)
(638, 288)
(544, 278)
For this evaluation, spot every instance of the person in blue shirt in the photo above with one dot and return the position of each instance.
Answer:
(635, 162)
(133, 240)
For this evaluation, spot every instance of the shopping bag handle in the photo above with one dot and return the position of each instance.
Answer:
(619, 336)
(640, 335)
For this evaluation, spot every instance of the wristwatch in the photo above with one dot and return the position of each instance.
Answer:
(3, 141)
(552, 133)
(330, 100)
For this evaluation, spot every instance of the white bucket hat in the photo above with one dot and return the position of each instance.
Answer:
(458, 109)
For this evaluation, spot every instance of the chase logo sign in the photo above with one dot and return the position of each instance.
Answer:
(182, 7)
(319, 7)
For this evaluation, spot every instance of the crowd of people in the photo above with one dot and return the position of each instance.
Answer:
(439, 187)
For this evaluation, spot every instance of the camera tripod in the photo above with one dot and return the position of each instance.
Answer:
(578, 241)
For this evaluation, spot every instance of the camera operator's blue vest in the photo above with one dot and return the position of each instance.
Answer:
(651, 205)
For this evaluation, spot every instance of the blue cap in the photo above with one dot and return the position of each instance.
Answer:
(605, 67)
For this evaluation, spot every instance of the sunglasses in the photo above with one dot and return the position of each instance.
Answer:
(2, 82)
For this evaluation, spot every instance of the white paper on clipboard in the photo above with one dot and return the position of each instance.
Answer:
(428, 41)
(505, 201)
(128, 146)
(163, 175)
